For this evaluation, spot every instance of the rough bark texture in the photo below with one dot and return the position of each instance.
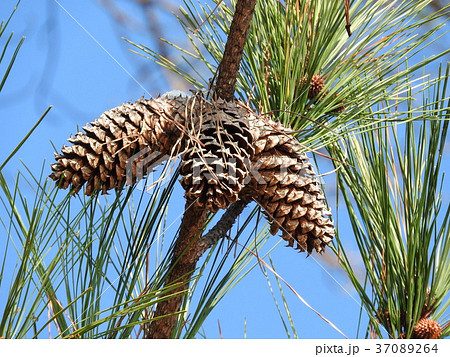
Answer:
(188, 251)
(229, 66)
(183, 265)
(224, 224)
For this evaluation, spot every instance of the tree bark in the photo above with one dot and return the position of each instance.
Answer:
(183, 264)
(234, 48)
(221, 228)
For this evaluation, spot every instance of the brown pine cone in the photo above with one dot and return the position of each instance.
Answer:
(284, 184)
(316, 86)
(99, 156)
(427, 329)
(222, 142)
(214, 167)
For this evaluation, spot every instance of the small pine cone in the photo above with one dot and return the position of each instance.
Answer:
(214, 167)
(316, 86)
(99, 156)
(284, 184)
(427, 329)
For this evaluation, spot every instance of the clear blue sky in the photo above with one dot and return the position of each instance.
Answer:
(60, 65)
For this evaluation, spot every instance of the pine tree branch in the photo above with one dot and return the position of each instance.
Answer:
(221, 228)
(184, 261)
(187, 252)
(234, 48)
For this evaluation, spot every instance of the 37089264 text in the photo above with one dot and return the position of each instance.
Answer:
(406, 348)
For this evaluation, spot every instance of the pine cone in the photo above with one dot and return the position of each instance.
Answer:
(427, 329)
(316, 86)
(284, 184)
(214, 167)
(100, 155)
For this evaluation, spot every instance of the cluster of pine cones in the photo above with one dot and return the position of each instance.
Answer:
(227, 153)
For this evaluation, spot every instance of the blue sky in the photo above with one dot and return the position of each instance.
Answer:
(60, 65)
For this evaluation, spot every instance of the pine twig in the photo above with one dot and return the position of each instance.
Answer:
(234, 48)
(347, 17)
(221, 228)
(186, 255)
(184, 261)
